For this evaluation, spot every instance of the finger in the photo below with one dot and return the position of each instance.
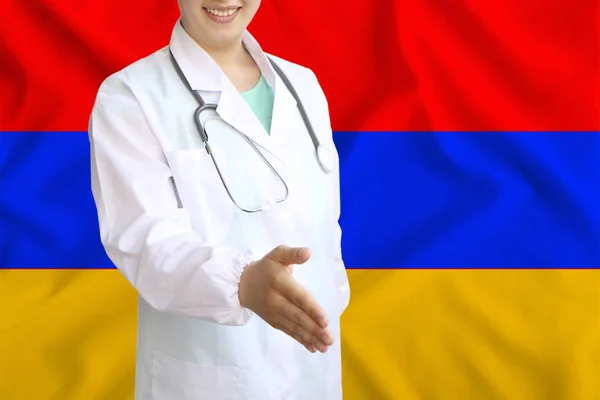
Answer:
(310, 347)
(300, 297)
(297, 324)
(302, 336)
(289, 255)
(298, 317)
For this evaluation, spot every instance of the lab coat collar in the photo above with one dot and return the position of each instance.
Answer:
(209, 77)
(204, 74)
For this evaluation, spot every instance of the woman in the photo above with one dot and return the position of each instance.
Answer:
(223, 314)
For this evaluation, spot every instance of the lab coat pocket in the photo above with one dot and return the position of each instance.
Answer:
(200, 192)
(174, 379)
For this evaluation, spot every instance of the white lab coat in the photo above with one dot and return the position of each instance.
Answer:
(168, 225)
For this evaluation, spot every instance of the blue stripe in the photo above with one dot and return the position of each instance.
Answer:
(409, 200)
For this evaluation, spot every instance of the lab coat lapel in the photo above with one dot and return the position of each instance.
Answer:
(205, 75)
(284, 114)
(236, 112)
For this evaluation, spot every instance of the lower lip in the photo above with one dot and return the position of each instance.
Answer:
(221, 20)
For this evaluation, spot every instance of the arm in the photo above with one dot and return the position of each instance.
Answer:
(148, 238)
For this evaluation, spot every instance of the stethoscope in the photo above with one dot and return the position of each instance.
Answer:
(324, 155)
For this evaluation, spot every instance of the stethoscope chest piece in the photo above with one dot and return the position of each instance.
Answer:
(326, 158)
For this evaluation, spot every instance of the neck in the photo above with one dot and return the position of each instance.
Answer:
(225, 54)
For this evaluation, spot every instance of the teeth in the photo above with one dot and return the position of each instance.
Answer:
(222, 13)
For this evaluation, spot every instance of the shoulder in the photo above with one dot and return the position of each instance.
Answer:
(311, 94)
(303, 78)
(121, 108)
(121, 86)
(292, 67)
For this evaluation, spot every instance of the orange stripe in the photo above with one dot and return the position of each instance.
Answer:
(517, 335)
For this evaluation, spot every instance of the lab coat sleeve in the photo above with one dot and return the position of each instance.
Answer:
(148, 238)
(340, 274)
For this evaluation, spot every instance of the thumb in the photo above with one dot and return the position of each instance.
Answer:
(290, 255)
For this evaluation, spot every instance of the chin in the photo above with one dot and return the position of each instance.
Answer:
(223, 37)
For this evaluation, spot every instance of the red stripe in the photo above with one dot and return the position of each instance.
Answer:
(401, 65)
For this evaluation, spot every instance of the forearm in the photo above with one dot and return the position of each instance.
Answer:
(173, 271)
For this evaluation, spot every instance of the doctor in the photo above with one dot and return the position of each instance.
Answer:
(228, 229)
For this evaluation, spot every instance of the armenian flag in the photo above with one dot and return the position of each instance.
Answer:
(469, 140)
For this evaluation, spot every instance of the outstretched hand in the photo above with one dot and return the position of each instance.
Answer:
(268, 288)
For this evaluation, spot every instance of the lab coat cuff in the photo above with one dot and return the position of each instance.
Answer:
(239, 266)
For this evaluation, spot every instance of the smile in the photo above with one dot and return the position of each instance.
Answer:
(222, 12)
(222, 15)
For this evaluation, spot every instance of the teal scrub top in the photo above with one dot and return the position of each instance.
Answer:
(261, 99)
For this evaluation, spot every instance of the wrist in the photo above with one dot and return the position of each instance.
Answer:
(242, 289)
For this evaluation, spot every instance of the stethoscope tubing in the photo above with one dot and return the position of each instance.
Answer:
(203, 106)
